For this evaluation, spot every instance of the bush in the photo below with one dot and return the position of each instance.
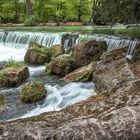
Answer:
(31, 20)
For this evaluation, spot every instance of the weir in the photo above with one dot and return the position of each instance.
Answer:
(23, 39)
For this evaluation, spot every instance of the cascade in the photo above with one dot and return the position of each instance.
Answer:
(23, 39)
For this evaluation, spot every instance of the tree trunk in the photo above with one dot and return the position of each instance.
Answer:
(79, 11)
(29, 10)
(16, 11)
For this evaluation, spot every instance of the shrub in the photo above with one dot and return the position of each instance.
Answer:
(31, 20)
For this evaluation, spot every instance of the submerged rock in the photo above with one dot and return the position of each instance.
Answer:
(87, 52)
(61, 65)
(56, 50)
(13, 76)
(37, 54)
(33, 92)
(82, 74)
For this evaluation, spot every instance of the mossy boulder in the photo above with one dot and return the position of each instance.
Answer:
(2, 103)
(33, 92)
(37, 54)
(13, 76)
(2, 100)
(61, 65)
(82, 74)
(87, 52)
(56, 50)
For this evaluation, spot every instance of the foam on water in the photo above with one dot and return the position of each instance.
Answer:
(36, 70)
(59, 97)
(7, 53)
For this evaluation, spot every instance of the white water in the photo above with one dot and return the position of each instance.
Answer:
(8, 53)
(23, 39)
(36, 70)
(61, 97)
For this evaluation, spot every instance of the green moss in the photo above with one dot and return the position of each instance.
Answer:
(33, 92)
(3, 78)
(48, 72)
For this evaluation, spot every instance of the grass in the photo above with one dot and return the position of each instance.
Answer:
(12, 63)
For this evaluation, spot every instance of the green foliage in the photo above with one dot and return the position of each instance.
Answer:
(31, 20)
(112, 11)
(51, 10)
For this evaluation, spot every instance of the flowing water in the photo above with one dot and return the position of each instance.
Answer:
(60, 94)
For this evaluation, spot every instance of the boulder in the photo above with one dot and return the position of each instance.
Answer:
(2, 102)
(87, 52)
(81, 74)
(61, 65)
(32, 92)
(11, 77)
(37, 54)
(56, 50)
(136, 53)
(113, 71)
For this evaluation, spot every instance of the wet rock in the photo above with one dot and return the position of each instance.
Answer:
(82, 74)
(113, 71)
(33, 92)
(13, 76)
(37, 54)
(61, 65)
(136, 53)
(69, 39)
(87, 52)
(56, 50)
(2, 102)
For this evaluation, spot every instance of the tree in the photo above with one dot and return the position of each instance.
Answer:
(29, 10)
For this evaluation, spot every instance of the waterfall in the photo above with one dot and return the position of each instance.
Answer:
(23, 39)
(112, 41)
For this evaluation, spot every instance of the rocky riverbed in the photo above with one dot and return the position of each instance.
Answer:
(112, 114)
